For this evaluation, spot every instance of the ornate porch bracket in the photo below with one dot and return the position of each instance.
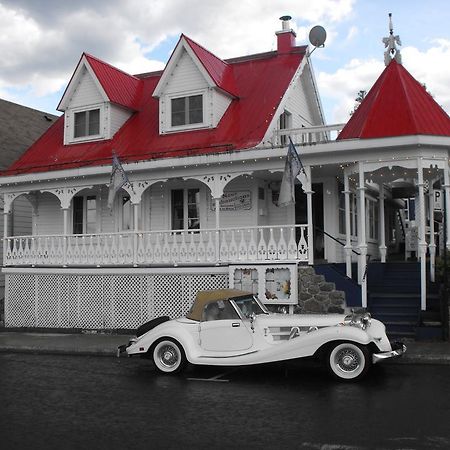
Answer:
(135, 189)
(9, 199)
(66, 194)
(217, 182)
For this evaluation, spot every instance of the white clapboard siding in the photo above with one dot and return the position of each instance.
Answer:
(240, 218)
(50, 217)
(86, 93)
(118, 117)
(158, 207)
(186, 77)
(21, 217)
(299, 105)
(220, 105)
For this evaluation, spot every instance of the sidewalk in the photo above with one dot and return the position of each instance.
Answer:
(103, 344)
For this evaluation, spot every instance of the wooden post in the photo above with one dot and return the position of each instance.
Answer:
(348, 239)
(382, 247)
(362, 236)
(309, 205)
(422, 241)
(432, 244)
(217, 203)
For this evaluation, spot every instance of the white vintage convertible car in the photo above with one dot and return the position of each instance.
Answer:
(233, 328)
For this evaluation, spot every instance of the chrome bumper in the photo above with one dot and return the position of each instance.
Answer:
(397, 350)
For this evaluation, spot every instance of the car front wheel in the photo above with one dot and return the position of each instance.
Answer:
(168, 356)
(348, 361)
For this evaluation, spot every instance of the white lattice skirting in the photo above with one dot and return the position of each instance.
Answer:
(104, 300)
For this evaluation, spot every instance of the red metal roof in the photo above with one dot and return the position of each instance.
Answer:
(220, 71)
(397, 105)
(261, 81)
(120, 87)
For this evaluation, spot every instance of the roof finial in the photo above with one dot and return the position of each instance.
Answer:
(390, 45)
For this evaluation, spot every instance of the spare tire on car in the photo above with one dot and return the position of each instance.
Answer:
(147, 326)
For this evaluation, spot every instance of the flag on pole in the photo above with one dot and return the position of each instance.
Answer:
(117, 180)
(293, 169)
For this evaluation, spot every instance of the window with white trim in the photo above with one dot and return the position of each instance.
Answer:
(372, 216)
(127, 214)
(186, 110)
(353, 213)
(185, 209)
(284, 123)
(84, 217)
(86, 123)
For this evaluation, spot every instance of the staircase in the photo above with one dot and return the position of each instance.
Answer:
(394, 298)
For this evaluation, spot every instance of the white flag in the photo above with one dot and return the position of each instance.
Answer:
(117, 180)
(293, 169)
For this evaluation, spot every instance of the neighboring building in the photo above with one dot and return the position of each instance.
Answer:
(204, 145)
(19, 128)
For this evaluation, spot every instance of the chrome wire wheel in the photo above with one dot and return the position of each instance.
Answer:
(168, 356)
(348, 361)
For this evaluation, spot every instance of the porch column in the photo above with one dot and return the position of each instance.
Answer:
(65, 233)
(422, 241)
(432, 244)
(309, 205)
(447, 204)
(136, 230)
(362, 236)
(382, 246)
(217, 203)
(5, 232)
(348, 241)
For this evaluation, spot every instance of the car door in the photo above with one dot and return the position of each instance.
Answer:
(222, 330)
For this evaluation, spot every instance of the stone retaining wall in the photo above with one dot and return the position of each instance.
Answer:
(316, 295)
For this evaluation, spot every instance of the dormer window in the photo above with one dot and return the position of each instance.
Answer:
(187, 110)
(87, 123)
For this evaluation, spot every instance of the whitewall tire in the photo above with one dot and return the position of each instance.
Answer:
(348, 361)
(168, 356)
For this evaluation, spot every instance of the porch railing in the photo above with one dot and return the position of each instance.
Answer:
(308, 135)
(206, 246)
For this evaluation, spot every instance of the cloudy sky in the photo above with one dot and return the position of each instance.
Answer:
(42, 40)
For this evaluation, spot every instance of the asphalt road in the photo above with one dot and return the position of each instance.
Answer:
(79, 402)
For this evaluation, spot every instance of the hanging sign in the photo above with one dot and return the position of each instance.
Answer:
(234, 201)
(438, 199)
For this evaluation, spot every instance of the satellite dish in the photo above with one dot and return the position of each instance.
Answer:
(317, 36)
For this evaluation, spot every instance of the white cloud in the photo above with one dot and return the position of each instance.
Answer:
(41, 42)
(431, 67)
(352, 33)
(343, 85)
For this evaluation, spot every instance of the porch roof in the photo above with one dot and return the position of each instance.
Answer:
(260, 81)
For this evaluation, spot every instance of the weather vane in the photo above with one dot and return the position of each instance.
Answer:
(390, 43)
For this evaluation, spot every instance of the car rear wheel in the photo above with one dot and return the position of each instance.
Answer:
(168, 356)
(348, 361)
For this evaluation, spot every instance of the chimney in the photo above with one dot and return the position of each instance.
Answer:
(286, 36)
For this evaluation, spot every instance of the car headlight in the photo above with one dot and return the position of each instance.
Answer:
(358, 320)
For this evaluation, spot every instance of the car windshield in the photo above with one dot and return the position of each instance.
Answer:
(249, 306)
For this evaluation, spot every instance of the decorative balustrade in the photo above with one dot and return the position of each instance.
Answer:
(308, 135)
(266, 243)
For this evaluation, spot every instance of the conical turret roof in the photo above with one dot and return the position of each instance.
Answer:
(397, 105)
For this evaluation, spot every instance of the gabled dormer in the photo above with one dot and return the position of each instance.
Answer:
(98, 100)
(194, 90)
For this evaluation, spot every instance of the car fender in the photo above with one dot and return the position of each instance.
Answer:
(182, 332)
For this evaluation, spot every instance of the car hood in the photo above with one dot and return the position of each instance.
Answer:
(300, 320)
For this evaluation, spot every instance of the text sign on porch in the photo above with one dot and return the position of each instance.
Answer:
(234, 201)
(438, 197)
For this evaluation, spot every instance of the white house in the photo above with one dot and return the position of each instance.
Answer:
(203, 144)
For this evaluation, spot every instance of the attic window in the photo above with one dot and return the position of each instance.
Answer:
(87, 123)
(187, 110)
